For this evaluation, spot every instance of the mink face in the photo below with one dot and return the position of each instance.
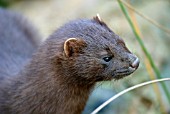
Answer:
(93, 52)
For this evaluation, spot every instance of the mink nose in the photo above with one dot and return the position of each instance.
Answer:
(135, 64)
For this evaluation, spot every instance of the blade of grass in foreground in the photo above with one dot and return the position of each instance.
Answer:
(144, 49)
(149, 69)
(127, 90)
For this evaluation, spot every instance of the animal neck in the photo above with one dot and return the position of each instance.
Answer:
(41, 90)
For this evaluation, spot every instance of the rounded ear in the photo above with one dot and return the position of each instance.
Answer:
(73, 46)
(99, 20)
(98, 17)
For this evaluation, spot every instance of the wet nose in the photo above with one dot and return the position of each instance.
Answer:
(135, 64)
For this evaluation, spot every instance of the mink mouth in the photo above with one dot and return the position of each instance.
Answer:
(123, 72)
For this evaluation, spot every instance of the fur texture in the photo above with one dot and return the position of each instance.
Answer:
(62, 72)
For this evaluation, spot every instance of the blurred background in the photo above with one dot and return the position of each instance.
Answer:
(48, 15)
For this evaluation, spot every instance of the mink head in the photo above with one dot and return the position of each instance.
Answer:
(88, 50)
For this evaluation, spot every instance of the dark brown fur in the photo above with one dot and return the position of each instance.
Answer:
(60, 75)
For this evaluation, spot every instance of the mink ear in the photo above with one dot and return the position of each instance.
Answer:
(73, 46)
(99, 20)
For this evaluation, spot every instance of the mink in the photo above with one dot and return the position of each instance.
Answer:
(57, 76)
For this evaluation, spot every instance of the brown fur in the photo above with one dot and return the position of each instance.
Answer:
(62, 72)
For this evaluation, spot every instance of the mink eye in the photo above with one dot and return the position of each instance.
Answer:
(107, 59)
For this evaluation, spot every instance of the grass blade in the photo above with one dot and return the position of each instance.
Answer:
(167, 30)
(127, 90)
(144, 49)
(149, 69)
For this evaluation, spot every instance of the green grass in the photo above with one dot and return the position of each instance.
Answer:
(5, 3)
(138, 38)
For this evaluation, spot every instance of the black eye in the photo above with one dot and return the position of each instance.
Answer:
(107, 59)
